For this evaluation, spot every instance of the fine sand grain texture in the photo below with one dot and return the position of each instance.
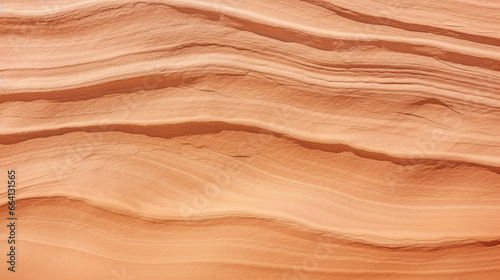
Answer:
(262, 139)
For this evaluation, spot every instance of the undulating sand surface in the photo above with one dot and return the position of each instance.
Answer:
(199, 139)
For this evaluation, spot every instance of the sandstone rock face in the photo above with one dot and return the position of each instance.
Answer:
(291, 139)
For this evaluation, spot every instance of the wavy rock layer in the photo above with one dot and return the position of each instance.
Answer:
(311, 139)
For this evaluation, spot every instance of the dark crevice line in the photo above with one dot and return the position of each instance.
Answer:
(413, 27)
(169, 131)
(326, 43)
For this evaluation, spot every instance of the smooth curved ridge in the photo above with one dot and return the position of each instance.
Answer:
(221, 139)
